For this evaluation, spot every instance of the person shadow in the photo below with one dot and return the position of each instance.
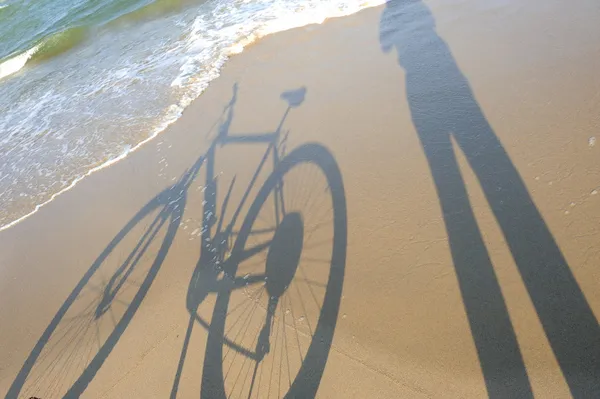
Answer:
(444, 110)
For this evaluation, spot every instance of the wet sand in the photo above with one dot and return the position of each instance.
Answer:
(464, 138)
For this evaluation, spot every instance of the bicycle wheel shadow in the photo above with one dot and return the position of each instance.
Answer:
(55, 366)
(259, 269)
(444, 109)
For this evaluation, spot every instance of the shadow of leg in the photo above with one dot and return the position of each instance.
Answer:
(495, 339)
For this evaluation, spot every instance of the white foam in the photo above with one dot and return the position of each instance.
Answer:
(216, 36)
(16, 63)
(106, 164)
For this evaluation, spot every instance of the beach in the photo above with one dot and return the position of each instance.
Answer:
(448, 150)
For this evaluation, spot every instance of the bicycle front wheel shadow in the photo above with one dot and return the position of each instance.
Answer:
(279, 298)
(94, 316)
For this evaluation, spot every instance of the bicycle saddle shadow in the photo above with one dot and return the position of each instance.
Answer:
(295, 97)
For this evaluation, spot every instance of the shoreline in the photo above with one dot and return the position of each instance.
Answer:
(235, 49)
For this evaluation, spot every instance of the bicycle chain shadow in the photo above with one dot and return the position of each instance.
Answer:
(217, 274)
(443, 108)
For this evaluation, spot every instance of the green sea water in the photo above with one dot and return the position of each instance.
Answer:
(58, 25)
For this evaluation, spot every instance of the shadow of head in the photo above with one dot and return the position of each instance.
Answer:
(404, 23)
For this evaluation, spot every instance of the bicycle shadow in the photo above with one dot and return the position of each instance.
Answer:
(272, 243)
(444, 109)
(56, 364)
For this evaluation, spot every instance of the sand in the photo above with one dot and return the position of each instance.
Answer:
(470, 178)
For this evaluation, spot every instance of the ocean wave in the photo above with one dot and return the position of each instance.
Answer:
(58, 42)
(49, 47)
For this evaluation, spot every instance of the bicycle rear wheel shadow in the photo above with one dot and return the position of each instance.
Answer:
(95, 315)
(278, 300)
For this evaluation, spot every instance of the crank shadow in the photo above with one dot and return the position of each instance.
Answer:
(444, 109)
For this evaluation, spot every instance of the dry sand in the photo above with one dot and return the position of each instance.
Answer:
(412, 322)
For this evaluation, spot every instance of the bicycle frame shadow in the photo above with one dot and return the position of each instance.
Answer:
(444, 109)
(215, 241)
